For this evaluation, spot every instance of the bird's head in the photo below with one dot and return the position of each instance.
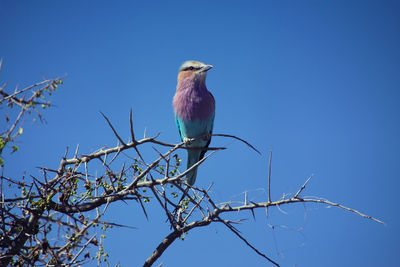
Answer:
(193, 69)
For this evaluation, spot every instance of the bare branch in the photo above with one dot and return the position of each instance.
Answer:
(240, 139)
(112, 128)
(131, 126)
(269, 176)
(65, 200)
(303, 186)
(247, 242)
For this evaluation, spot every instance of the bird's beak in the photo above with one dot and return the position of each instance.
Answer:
(206, 68)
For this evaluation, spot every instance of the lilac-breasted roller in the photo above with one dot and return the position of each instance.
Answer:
(194, 109)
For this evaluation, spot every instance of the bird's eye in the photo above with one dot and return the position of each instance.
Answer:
(189, 68)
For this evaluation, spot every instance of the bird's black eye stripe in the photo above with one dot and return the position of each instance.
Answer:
(191, 68)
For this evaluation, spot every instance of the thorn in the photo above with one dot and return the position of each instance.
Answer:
(131, 124)
(112, 128)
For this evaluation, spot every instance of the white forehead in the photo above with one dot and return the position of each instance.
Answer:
(191, 63)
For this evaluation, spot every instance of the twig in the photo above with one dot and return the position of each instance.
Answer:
(269, 176)
(131, 126)
(240, 139)
(247, 242)
(303, 186)
(112, 128)
(82, 249)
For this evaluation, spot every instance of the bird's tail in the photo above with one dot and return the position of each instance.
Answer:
(193, 158)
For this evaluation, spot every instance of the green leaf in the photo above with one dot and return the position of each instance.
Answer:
(20, 131)
(15, 149)
(3, 142)
(1, 162)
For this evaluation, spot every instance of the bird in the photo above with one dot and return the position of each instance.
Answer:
(194, 111)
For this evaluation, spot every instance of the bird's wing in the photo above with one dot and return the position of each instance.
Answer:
(178, 124)
(210, 130)
(203, 152)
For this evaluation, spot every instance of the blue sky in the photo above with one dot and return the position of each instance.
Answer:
(316, 81)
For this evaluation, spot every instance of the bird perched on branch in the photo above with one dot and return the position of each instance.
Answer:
(194, 109)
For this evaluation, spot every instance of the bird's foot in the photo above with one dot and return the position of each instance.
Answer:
(207, 137)
(187, 141)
